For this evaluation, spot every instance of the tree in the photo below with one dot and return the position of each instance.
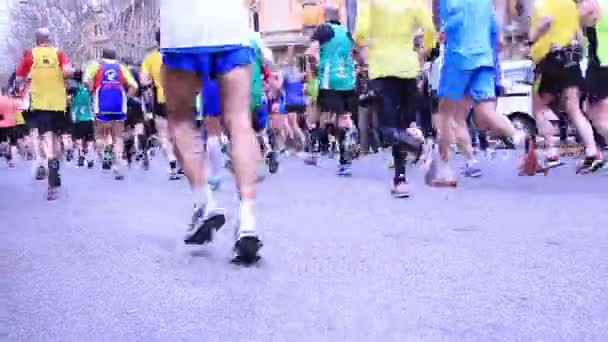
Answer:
(82, 27)
(67, 19)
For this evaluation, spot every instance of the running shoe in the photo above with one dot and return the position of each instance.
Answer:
(41, 173)
(345, 170)
(553, 161)
(246, 246)
(215, 182)
(590, 164)
(118, 175)
(53, 193)
(400, 189)
(173, 175)
(471, 170)
(201, 230)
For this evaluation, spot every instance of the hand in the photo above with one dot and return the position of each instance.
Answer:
(545, 23)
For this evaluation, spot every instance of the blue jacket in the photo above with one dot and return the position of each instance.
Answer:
(469, 26)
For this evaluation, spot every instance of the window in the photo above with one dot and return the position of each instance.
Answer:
(98, 30)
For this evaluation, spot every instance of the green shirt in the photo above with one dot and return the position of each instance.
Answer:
(312, 87)
(81, 105)
(336, 64)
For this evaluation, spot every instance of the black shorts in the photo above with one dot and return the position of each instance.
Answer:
(596, 83)
(160, 109)
(58, 122)
(135, 115)
(398, 101)
(8, 134)
(299, 109)
(555, 76)
(83, 130)
(337, 101)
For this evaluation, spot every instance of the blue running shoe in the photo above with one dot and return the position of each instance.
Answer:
(214, 182)
(345, 170)
(472, 171)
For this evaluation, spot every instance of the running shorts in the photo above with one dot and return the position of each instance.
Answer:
(455, 84)
(208, 62)
(299, 109)
(260, 118)
(337, 101)
(83, 130)
(160, 110)
(596, 83)
(58, 122)
(553, 75)
(211, 98)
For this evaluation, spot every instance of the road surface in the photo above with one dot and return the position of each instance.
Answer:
(502, 258)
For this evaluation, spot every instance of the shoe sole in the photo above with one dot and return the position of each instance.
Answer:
(400, 195)
(246, 249)
(204, 233)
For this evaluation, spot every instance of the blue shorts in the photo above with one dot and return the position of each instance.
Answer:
(209, 62)
(260, 118)
(211, 98)
(110, 117)
(455, 84)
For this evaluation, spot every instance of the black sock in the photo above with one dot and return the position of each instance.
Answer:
(399, 157)
(53, 176)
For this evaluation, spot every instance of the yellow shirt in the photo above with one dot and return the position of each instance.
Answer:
(151, 65)
(48, 85)
(19, 118)
(388, 27)
(563, 29)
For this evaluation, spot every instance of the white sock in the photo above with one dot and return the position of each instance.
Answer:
(203, 196)
(471, 162)
(247, 216)
(214, 149)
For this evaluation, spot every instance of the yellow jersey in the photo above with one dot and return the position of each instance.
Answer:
(387, 28)
(152, 65)
(47, 87)
(566, 23)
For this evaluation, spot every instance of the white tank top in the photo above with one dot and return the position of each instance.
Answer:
(203, 23)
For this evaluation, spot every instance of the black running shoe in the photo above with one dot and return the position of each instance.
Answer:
(202, 228)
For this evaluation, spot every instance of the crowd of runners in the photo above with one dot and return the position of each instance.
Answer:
(210, 96)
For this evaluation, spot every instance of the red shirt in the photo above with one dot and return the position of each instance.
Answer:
(25, 66)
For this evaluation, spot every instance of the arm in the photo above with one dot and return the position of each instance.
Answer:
(23, 69)
(322, 35)
(425, 20)
(543, 26)
(146, 72)
(67, 69)
(89, 76)
(589, 12)
(129, 80)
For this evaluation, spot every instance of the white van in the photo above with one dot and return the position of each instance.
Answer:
(516, 102)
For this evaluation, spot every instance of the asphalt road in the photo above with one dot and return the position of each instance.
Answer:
(501, 258)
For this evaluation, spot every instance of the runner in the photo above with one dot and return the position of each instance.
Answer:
(333, 46)
(557, 54)
(295, 101)
(596, 30)
(82, 117)
(394, 66)
(107, 80)
(468, 79)
(151, 75)
(205, 38)
(9, 117)
(47, 67)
